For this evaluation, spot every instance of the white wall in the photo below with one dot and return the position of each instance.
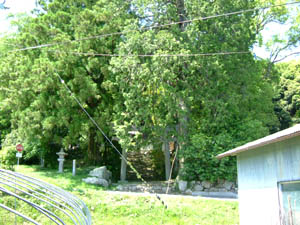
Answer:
(259, 171)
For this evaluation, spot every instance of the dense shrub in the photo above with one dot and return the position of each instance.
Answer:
(8, 157)
(200, 162)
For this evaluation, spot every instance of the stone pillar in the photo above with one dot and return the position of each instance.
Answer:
(61, 159)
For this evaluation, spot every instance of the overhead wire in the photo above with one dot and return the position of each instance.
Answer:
(153, 27)
(142, 55)
(151, 55)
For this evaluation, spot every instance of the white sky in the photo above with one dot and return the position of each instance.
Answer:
(15, 6)
(21, 6)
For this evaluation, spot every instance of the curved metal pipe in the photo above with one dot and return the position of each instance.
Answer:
(47, 193)
(19, 214)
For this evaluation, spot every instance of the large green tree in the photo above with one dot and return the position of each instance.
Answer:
(190, 99)
(43, 112)
(204, 103)
(287, 98)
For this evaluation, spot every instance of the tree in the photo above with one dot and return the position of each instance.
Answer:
(42, 110)
(287, 98)
(187, 96)
(204, 103)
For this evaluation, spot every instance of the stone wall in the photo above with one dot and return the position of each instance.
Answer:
(205, 188)
(154, 187)
(197, 188)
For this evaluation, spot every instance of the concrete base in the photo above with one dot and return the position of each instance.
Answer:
(215, 194)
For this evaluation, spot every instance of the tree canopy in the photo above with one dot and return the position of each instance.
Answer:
(148, 75)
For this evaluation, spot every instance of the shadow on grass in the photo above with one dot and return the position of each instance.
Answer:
(65, 179)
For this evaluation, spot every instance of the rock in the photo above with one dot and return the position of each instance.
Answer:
(90, 180)
(103, 182)
(188, 192)
(206, 184)
(192, 183)
(132, 188)
(109, 174)
(164, 190)
(222, 190)
(182, 185)
(119, 188)
(228, 185)
(198, 187)
(213, 189)
(101, 172)
(220, 183)
(95, 180)
(157, 188)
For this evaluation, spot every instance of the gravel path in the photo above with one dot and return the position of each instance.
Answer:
(168, 196)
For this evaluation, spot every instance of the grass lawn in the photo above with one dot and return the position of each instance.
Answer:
(108, 208)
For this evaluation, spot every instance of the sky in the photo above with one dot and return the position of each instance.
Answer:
(15, 6)
(25, 6)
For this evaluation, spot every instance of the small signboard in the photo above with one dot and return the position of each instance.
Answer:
(19, 147)
(19, 154)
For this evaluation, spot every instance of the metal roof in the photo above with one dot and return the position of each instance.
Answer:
(273, 138)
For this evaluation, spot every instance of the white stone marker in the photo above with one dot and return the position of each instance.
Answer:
(74, 168)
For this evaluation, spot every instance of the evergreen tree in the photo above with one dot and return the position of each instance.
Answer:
(193, 99)
(42, 110)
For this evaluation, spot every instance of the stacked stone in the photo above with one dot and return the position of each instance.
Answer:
(153, 187)
(197, 188)
(100, 176)
(206, 188)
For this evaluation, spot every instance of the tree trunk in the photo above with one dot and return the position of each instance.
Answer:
(123, 165)
(183, 110)
(181, 12)
(183, 132)
(91, 147)
(166, 150)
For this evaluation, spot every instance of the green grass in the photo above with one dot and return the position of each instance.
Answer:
(113, 208)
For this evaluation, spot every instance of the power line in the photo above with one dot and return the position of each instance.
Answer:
(154, 26)
(151, 55)
(106, 137)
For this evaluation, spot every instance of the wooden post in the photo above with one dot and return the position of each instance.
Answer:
(123, 165)
(42, 162)
(291, 221)
(166, 150)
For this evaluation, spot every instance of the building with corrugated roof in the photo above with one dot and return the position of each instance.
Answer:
(269, 178)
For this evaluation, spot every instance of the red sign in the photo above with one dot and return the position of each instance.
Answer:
(19, 148)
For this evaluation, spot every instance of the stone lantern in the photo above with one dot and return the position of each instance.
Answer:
(61, 159)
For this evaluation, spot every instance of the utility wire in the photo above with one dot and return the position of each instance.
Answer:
(153, 27)
(151, 55)
(106, 137)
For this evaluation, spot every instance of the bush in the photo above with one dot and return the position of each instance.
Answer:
(8, 157)
(200, 162)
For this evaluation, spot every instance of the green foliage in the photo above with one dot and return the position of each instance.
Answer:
(287, 98)
(157, 157)
(206, 104)
(42, 112)
(8, 157)
(200, 158)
